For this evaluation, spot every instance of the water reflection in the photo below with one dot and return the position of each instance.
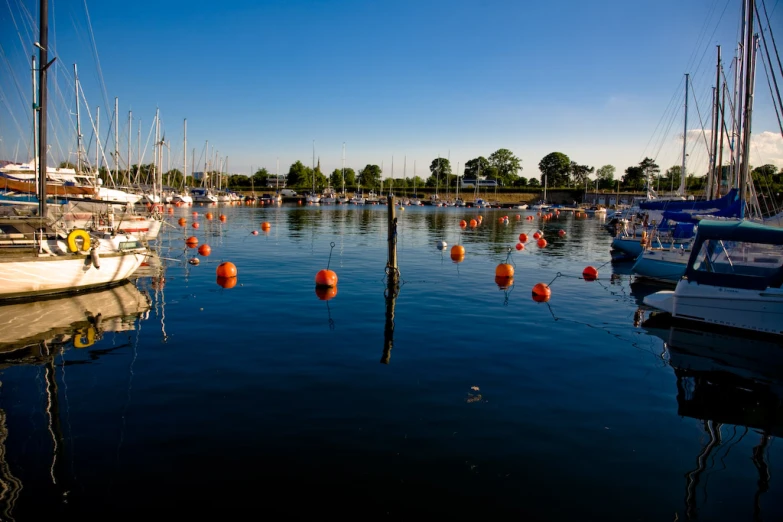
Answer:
(31, 327)
(725, 380)
(38, 333)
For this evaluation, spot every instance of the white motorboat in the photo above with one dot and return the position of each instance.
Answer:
(733, 279)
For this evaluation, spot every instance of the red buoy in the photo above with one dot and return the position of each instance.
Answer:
(561, 233)
(227, 269)
(536, 235)
(541, 243)
(504, 270)
(463, 223)
(194, 225)
(523, 237)
(520, 246)
(208, 215)
(325, 278)
(541, 292)
(191, 242)
(204, 250)
(255, 232)
(222, 218)
(590, 273)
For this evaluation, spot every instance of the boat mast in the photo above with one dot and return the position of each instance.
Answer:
(78, 122)
(343, 171)
(138, 164)
(130, 131)
(97, 142)
(116, 141)
(43, 60)
(717, 174)
(185, 153)
(36, 152)
(277, 176)
(750, 72)
(206, 155)
(681, 190)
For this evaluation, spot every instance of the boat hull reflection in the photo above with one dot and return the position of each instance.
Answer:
(81, 318)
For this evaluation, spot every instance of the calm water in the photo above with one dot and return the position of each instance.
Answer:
(187, 398)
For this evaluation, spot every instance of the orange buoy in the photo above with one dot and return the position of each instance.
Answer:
(227, 269)
(481, 218)
(192, 241)
(227, 282)
(325, 293)
(501, 220)
(520, 246)
(265, 225)
(204, 250)
(590, 273)
(325, 278)
(536, 235)
(504, 270)
(504, 282)
(457, 250)
(194, 225)
(222, 218)
(255, 232)
(208, 215)
(171, 210)
(182, 222)
(195, 214)
(457, 258)
(541, 243)
(523, 238)
(519, 217)
(473, 223)
(541, 292)
(561, 233)
(463, 223)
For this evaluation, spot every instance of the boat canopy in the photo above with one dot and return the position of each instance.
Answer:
(741, 254)
(681, 205)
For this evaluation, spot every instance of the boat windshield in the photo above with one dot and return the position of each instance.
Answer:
(738, 264)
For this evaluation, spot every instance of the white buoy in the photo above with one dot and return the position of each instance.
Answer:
(441, 245)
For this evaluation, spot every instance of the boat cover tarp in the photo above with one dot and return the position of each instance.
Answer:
(732, 211)
(681, 205)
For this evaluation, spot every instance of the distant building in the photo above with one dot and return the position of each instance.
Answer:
(198, 176)
(273, 180)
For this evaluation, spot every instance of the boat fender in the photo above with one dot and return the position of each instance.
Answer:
(96, 261)
(76, 234)
(84, 338)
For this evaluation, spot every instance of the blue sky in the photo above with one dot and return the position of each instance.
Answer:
(600, 81)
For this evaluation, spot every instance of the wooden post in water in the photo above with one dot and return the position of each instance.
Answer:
(392, 285)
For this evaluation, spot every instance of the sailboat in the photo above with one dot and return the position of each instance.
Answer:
(313, 197)
(343, 196)
(734, 275)
(38, 259)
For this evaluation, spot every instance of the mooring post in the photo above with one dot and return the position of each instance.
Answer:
(392, 285)
(391, 267)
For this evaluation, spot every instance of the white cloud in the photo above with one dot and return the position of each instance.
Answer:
(766, 147)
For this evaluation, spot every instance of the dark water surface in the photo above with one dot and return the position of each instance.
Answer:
(188, 399)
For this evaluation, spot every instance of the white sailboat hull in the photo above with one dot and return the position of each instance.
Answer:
(53, 274)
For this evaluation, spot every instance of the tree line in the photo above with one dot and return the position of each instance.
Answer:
(556, 169)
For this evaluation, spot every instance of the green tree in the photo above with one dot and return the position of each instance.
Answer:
(297, 175)
(441, 173)
(554, 167)
(507, 166)
(605, 176)
(650, 168)
(581, 173)
(634, 177)
(370, 176)
(476, 167)
(259, 177)
(671, 180)
(350, 177)
(172, 178)
(336, 179)
(66, 165)
(520, 181)
(533, 182)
